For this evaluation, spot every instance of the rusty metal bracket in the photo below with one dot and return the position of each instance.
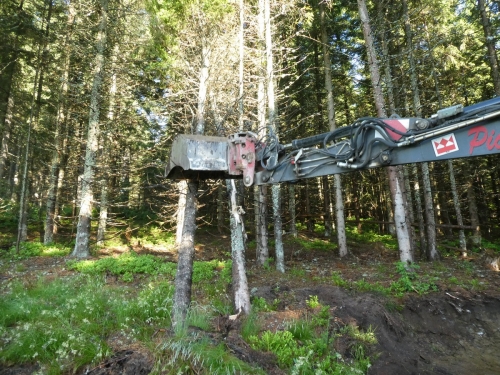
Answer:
(242, 156)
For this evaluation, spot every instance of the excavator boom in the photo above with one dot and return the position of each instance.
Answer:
(454, 132)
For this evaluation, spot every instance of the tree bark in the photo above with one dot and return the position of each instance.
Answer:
(291, 207)
(490, 45)
(184, 275)
(431, 250)
(58, 139)
(471, 197)
(339, 201)
(395, 176)
(261, 212)
(241, 295)
(82, 245)
(183, 278)
(275, 190)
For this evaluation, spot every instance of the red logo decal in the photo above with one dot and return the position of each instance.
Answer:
(481, 137)
(445, 145)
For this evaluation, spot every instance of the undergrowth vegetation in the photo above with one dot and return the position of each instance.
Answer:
(76, 321)
(306, 346)
(63, 325)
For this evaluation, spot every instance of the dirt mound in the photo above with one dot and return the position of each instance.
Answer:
(125, 362)
(443, 333)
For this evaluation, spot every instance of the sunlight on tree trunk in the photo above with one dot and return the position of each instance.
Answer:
(82, 244)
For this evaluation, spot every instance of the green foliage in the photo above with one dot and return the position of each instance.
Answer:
(297, 272)
(125, 265)
(301, 352)
(313, 302)
(281, 343)
(250, 326)
(188, 353)
(364, 286)
(490, 246)
(267, 263)
(63, 324)
(260, 304)
(315, 244)
(338, 280)
(371, 237)
(307, 345)
(31, 249)
(128, 264)
(409, 281)
(153, 235)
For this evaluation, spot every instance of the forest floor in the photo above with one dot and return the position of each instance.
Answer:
(449, 324)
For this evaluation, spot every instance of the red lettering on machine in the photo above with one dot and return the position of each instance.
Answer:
(481, 137)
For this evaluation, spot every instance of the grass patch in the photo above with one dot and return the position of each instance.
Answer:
(306, 346)
(62, 325)
(370, 236)
(313, 244)
(32, 249)
(127, 265)
(409, 281)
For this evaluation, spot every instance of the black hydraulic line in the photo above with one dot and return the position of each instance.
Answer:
(309, 141)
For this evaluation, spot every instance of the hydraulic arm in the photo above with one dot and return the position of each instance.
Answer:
(454, 132)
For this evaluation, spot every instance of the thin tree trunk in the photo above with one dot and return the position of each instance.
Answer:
(241, 296)
(82, 245)
(471, 197)
(291, 207)
(418, 204)
(184, 275)
(458, 210)
(431, 250)
(395, 176)
(490, 45)
(183, 278)
(50, 227)
(104, 201)
(181, 207)
(261, 208)
(275, 190)
(22, 228)
(220, 213)
(7, 129)
(339, 201)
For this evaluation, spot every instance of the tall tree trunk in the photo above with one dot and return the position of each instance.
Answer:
(454, 190)
(184, 275)
(471, 197)
(82, 244)
(291, 207)
(220, 213)
(7, 129)
(395, 176)
(490, 45)
(431, 250)
(58, 139)
(22, 227)
(339, 201)
(418, 204)
(275, 190)
(106, 149)
(7, 76)
(183, 278)
(241, 296)
(261, 207)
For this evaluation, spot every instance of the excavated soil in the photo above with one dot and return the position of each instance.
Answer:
(454, 331)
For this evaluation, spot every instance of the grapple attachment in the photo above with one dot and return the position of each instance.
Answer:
(199, 157)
